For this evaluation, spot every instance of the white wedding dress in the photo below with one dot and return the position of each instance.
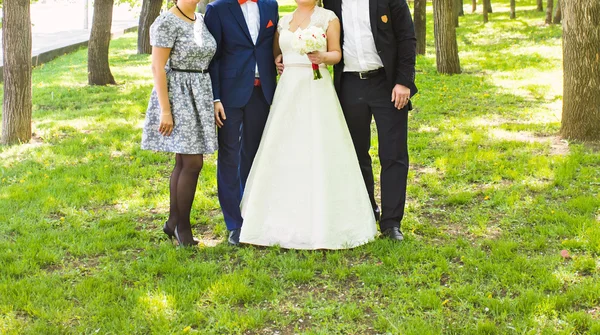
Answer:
(305, 189)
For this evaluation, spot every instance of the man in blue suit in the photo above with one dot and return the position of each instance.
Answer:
(243, 77)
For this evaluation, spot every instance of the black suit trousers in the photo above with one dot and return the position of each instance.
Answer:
(362, 100)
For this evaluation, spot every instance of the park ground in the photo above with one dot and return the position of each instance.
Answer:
(502, 224)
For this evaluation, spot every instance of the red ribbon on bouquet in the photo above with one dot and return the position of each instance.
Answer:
(316, 72)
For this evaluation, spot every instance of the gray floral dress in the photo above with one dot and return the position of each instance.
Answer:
(190, 93)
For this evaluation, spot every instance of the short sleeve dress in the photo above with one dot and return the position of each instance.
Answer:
(190, 93)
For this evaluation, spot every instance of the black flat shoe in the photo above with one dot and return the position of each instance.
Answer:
(234, 237)
(393, 233)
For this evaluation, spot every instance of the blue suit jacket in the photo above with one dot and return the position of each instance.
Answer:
(232, 69)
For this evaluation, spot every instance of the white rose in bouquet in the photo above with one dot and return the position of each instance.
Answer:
(310, 40)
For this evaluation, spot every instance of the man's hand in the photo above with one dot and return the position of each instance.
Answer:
(279, 64)
(166, 123)
(219, 114)
(400, 96)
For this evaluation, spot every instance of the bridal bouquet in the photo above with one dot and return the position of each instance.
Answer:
(309, 40)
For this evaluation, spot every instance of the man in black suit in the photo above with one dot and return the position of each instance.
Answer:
(378, 62)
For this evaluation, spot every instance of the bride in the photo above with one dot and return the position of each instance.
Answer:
(305, 189)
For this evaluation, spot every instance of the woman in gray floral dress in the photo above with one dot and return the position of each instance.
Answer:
(180, 116)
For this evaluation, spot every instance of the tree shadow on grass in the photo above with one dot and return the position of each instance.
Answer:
(86, 178)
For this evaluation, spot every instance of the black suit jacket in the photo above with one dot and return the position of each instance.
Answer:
(394, 35)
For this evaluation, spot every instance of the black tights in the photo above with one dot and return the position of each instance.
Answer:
(184, 179)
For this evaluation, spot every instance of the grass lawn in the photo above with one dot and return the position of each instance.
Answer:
(494, 196)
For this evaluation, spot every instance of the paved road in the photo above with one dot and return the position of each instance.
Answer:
(57, 24)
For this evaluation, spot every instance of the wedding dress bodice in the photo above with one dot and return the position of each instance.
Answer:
(319, 18)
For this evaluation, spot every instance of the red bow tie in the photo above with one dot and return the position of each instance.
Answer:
(241, 2)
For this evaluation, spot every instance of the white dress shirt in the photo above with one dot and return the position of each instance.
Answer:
(252, 17)
(360, 52)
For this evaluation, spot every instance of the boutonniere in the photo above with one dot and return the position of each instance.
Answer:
(384, 19)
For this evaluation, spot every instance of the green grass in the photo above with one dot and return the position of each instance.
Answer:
(494, 196)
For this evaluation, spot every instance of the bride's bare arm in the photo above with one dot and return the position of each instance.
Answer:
(276, 48)
(334, 50)
(277, 53)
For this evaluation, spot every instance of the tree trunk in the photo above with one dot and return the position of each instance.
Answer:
(558, 13)
(455, 6)
(549, 9)
(98, 67)
(149, 13)
(474, 6)
(461, 10)
(16, 46)
(446, 48)
(513, 11)
(488, 4)
(581, 70)
(485, 11)
(540, 5)
(421, 25)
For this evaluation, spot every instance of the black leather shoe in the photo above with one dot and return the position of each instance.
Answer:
(377, 213)
(393, 233)
(170, 233)
(234, 237)
(183, 242)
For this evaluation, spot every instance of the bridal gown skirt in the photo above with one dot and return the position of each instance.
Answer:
(305, 189)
